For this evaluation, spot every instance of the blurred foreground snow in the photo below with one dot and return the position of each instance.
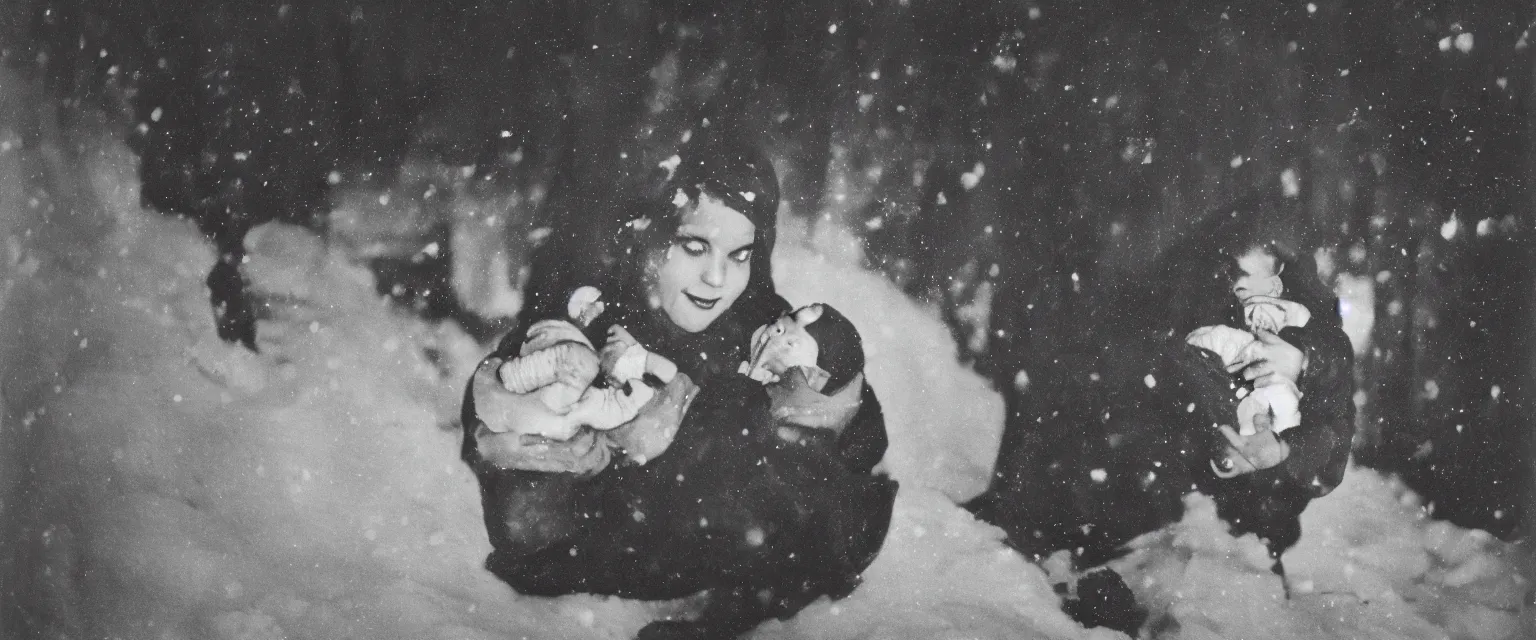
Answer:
(162, 484)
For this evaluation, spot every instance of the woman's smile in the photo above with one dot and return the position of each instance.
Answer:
(702, 302)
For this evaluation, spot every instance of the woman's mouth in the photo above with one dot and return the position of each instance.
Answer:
(702, 303)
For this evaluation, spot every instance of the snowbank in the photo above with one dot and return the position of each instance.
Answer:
(1370, 564)
(945, 421)
(178, 487)
(162, 484)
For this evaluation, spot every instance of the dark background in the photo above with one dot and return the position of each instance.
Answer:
(992, 154)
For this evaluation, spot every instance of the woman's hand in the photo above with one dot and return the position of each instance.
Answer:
(619, 361)
(1248, 454)
(652, 430)
(504, 411)
(619, 341)
(1270, 355)
(1268, 313)
(796, 401)
(582, 454)
(517, 431)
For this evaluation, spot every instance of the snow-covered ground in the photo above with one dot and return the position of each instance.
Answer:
(161, 484)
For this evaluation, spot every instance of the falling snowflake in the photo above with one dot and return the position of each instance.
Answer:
(1021, 380)
(1290, 183)
(1448, 230)
(970, 179)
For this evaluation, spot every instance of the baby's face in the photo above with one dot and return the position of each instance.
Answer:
(784, 343)
(1261, 275)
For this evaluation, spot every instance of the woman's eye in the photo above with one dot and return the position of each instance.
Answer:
(741, 255)
(694, 248)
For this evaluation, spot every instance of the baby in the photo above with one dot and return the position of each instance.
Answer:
(559, 364)
(1276, 399)
(1260, 288)
(807, 358)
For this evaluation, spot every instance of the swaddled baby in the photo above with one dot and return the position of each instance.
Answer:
(1277, 400)
(1259, 289)
(559, 364)
(807, 359)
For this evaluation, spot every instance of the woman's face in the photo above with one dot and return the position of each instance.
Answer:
(706, 267)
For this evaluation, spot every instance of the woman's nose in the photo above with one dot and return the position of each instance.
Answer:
(714, 273)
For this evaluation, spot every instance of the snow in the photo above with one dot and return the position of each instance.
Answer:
(314, 491)
(1370, 564)
(911, 358)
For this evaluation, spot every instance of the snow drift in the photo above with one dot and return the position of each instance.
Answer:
(162, 484)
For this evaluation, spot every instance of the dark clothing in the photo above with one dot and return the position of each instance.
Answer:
(863, 442)
(1269, 502)
(732, 503)
(730, 507)
(1123, 426)
(1119, 422)
(1320, 445)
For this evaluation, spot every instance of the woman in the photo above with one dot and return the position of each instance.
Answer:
(1120, 418)
(1274, 475)
(690, 283)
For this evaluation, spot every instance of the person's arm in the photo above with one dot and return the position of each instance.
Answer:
(469, 419)
(848, 422)
(651, 431)
(511, 431)
(1319, 447)
(499, 427)
(863, 443)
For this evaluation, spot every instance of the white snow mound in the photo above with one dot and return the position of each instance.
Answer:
(161, 484)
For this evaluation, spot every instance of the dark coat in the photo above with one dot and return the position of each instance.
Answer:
(730, 507)
(1118, 422)
(735, 502)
